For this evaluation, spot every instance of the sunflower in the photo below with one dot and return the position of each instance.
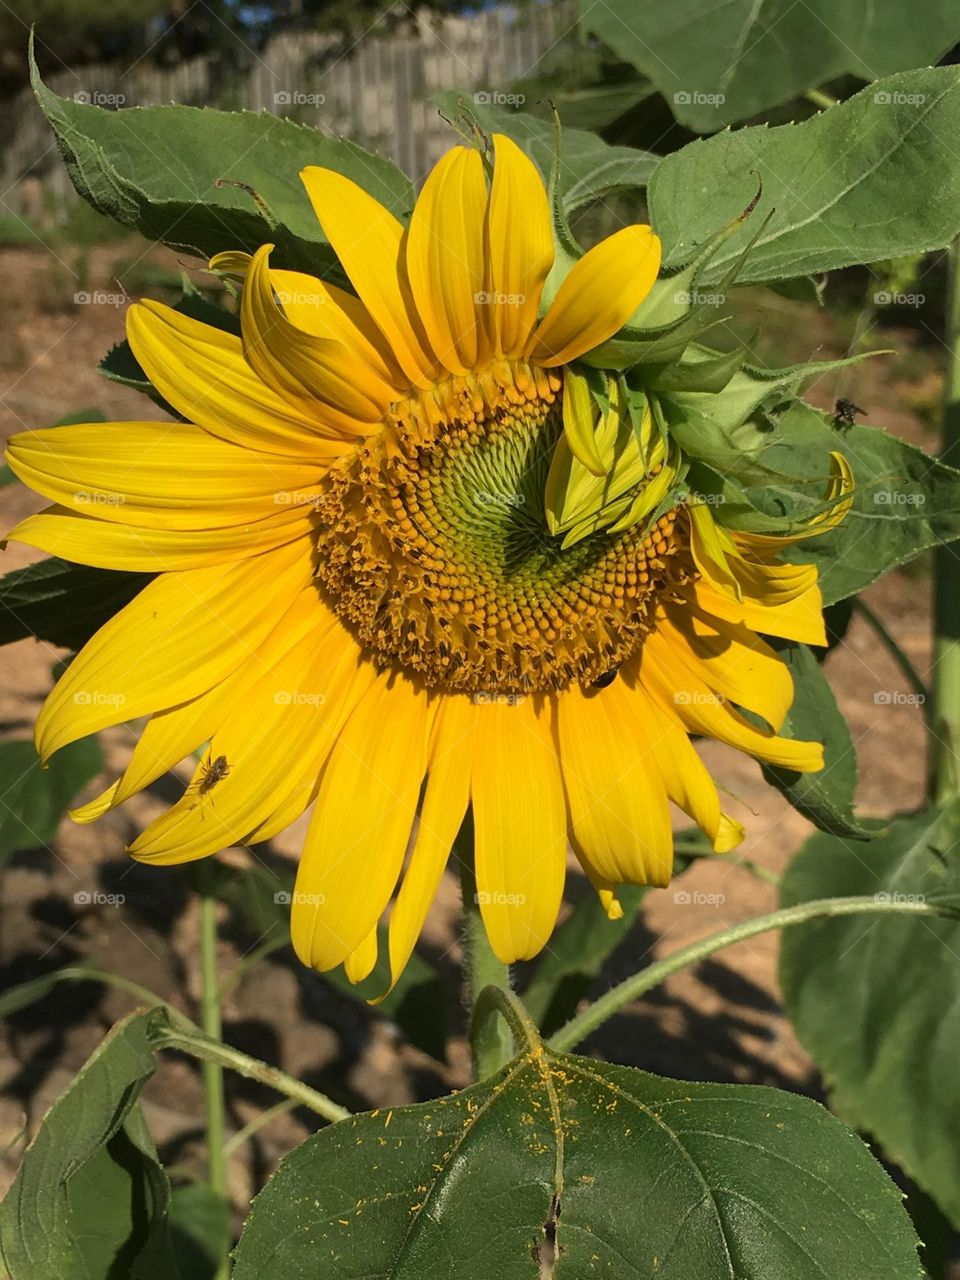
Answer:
(393, 582)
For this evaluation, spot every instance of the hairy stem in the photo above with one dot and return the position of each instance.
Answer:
(907, 669)
(515, 1014)
(638, 984)
(224, 1055)
(820, 99)
(243, 1135)
(211, 1022)
(944, 773)
(490, 1038)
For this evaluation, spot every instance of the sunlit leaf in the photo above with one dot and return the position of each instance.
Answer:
(562, 1165)
(876, 999)
(716, 63)
(875, 177)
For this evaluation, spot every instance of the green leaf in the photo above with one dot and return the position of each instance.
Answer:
(63, 603)
(173, 174)
(876, 1000)
(896, 192)
(90, 1199)
(32, 799)
(705, 419)
(80, 416)
(826, 798)
(716, 63)
(596, 106)
(566, 1166)
(199, 1230)
(904, 502)
(590, 169)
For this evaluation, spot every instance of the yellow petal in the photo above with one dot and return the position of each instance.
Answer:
(361, 824)
(605, 889)
(520, 245)
(686, 777)
(360, 963)
(168, 475)
(87, 540)
(183, 634)
(445, 259)
(298, 364)
(680, 693)
(597, 297)
(712, 548)
(798, 619)
(201, 371)
(732, 660)
(325, 311)
(367, 239)
(169, 737)
(444, 805)
(277, 734)
(725, 561)
(618, 801)
(520, 826)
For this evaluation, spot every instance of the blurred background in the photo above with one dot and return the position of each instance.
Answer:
(69, 895)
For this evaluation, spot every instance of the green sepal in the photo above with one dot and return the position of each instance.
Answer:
(675, 311)
(700, 369)
(566, 248)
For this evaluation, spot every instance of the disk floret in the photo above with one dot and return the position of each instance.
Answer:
(435, 548)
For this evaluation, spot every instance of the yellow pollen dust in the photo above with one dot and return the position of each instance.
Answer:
(434, 547)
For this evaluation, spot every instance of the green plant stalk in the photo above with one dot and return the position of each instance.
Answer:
(944, 771)
(224, 1055)
(247, 962)
(907, 669)
(638, 984)
(184, 1034)
(259, 1122)
(745, 864)
(212, 1025)
(820, 99)
(87, 973)
(515, 1013)
(490, 1038)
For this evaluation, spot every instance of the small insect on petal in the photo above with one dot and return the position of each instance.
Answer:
(214, 771)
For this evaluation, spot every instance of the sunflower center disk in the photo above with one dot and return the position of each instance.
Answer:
(435, 548)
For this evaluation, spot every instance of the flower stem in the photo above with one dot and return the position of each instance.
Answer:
(944, 773)
(638, 984)
(211, 1022)
(490, 1038)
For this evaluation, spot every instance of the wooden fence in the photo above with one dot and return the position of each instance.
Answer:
(378, 92)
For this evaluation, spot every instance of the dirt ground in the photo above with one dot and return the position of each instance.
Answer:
(721, 1021)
